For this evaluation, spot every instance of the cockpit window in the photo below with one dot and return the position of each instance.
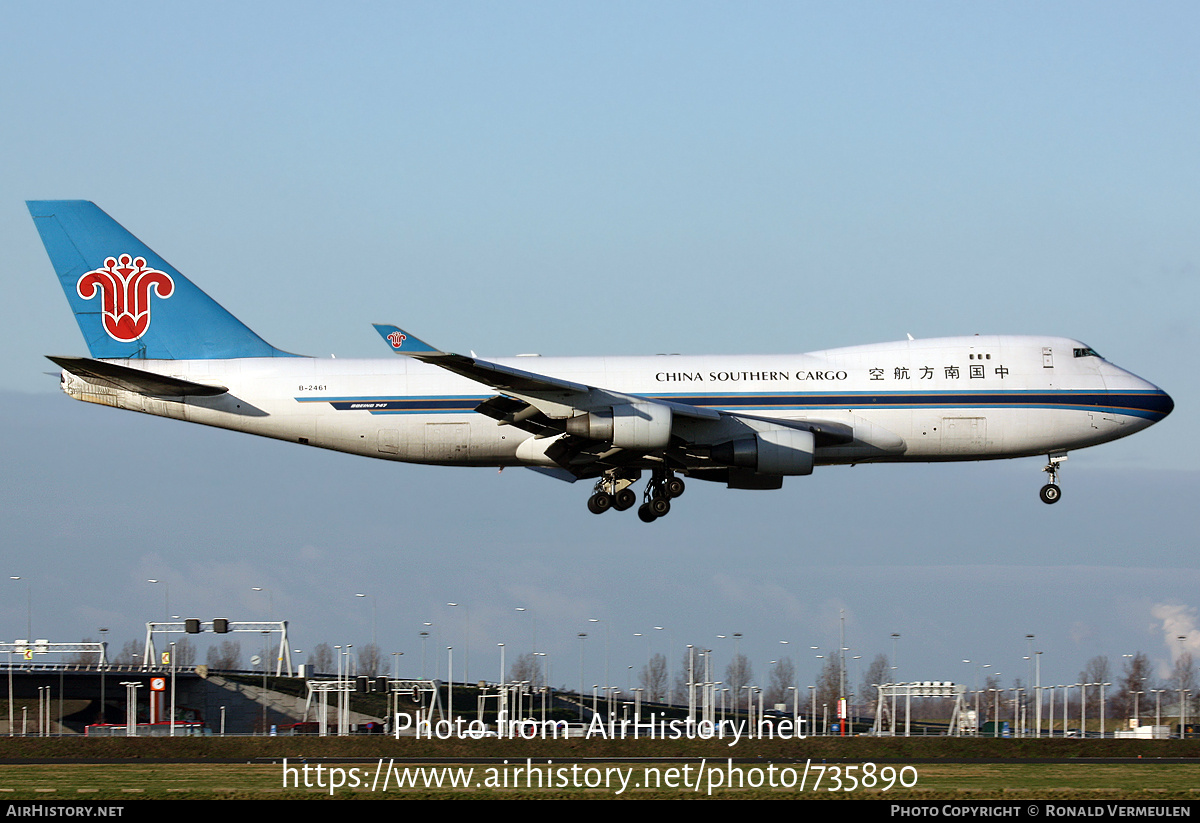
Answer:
(1086, 352)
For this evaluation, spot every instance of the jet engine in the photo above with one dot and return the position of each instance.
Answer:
(628, 426)
(776, 451)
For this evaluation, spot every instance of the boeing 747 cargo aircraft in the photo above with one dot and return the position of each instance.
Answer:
(160, 345)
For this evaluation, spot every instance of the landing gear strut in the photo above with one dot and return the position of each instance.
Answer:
(1050, 492)
(613, 491)
(662, 488)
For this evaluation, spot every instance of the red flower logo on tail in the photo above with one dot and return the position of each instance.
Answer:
(124, 285)
(396, 339)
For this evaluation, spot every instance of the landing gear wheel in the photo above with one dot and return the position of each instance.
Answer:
(625, 499)
(663, 486)
(600, 502)
(1050, 493)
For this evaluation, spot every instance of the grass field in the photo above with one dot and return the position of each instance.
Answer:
(63, 782)
(66, 769)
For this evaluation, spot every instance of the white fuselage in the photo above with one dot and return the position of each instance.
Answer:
(961, 398)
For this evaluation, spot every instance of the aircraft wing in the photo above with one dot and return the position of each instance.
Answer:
(595, 430)
(553, 396)
(135, 380)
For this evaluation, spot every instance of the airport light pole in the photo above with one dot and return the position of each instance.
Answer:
(166, 598)
(28, 606)
(533, 619)
(812, 712)
(1029, 674)
(996, 712)
(270, 600)
(606, 678)
(546, 688)
(11, 720)
(424, 635)
(895, 658)
(1050, 728)
(467, 642)
(691, 683)
(668, 698)
(1037, 683)
(1103, 708)
(852, 705)
(582, 636)
(1066, 700)
(647, 653)
(1018, 722)
(374, 641)
(103, 667)
(707, 707)
(842, 645)
(172, 688)
(1182, 705)
(264, 665)
(1083, 708)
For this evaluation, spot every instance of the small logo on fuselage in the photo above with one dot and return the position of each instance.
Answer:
(124, 286)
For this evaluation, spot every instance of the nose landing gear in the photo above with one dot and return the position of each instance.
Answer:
(1050, 492)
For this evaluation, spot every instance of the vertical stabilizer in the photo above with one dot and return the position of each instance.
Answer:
(128, 301)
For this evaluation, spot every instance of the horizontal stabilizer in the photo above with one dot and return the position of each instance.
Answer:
(135, 380)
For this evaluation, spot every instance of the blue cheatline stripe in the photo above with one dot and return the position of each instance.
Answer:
(1149, 404)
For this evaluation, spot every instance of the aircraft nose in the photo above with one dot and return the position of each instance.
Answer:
(1142, 398)
(1166, 404)
(1155, 404)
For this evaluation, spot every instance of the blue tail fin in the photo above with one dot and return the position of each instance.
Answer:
(128, 301)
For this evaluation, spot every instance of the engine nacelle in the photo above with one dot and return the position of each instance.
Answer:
(777, 451)
(628, 426)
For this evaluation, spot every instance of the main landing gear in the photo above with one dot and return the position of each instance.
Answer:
(615, 493)
(1050, 492)
(660, 491)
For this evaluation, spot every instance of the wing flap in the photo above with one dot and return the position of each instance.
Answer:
(509, 411)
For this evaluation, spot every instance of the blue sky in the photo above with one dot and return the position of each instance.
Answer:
(573, 178)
